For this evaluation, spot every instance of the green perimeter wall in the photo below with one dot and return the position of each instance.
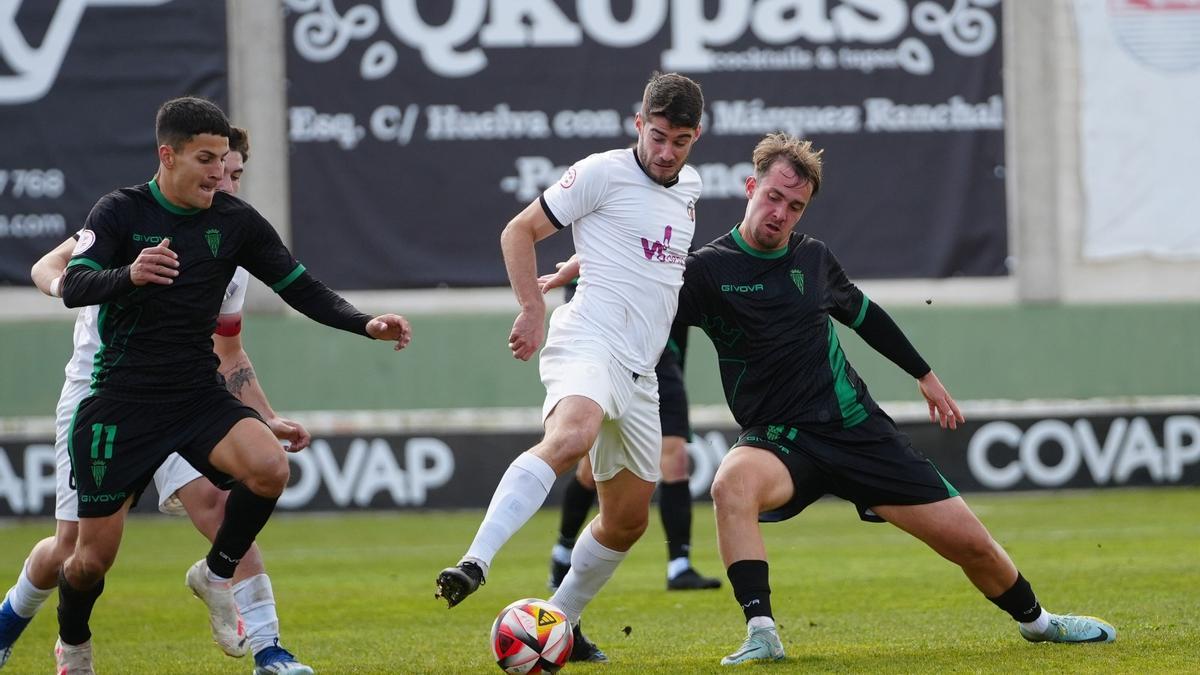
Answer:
(460, 362)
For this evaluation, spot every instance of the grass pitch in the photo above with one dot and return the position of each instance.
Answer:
(355, 593)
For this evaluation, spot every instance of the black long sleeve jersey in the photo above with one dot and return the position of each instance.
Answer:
(156, 339)
(770, 318)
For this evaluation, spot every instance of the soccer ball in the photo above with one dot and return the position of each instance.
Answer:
(531, 636)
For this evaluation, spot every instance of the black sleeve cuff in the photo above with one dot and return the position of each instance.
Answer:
(549, 213)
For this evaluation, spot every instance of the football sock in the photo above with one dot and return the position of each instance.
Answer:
(25, 598)
(592, 564)
(75, 610)
(675, 507)
(245, 516)
(751, 587)
(1019, 601)
(561, 554)
(1038, 625)
(760, 622)
(577, 501)
(256, 603)
(677, 566)
(521, 492)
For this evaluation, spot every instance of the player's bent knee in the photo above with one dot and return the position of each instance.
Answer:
(269, 477)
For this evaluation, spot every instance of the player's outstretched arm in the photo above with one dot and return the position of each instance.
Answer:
(942, 408)
(520, 260)
(47, 272)
(242, 382)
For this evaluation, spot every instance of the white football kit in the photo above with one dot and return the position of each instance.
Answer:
(632, 236)
(175, 472)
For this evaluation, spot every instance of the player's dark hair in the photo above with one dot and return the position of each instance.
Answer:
(239, 142)
(675, 97)
(804, 158)
(181, 119)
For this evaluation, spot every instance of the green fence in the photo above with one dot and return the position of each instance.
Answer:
(462, 362)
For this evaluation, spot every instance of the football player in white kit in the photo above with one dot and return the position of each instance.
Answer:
(181, 489)
(633, 216)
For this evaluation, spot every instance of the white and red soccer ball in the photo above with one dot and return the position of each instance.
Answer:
(531, 636)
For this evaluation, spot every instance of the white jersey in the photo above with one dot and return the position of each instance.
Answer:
(87, 334)
(632, 237)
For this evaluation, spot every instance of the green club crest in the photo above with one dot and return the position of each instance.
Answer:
(798, 279)
(98, 469)
(213, 237)
(774, 431)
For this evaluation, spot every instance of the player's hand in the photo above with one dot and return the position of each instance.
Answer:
(291, 431)
(565, 272)
(942, 408)
(155, 265)
(391, 327)
(527, 332)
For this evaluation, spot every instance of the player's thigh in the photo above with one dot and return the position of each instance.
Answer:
(583, 473)
(571, 429)
(750, 476)
(249, 450)
(947, 526)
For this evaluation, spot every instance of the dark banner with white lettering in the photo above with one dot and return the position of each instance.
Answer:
(79, 88)
(419, 129)
(460, 470)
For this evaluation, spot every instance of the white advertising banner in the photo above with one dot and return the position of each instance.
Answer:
(1140, 127)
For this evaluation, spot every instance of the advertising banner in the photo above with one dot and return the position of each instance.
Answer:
(360, 471)
(80, 82)
(1139, 77)
(419, 129)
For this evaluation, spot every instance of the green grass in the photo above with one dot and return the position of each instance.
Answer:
(355, 593)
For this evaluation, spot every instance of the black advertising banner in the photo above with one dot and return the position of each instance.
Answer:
(419, 129)
(461, 469)
(80, 83)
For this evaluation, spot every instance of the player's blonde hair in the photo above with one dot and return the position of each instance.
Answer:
(804, 158)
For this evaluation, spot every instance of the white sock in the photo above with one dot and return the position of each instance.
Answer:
(678, 566)
(213, 578)
(521, 492)
(592, 564)
(256, 603)
(25, 598)
(760, 622)
(1040, 624)
(561, 554)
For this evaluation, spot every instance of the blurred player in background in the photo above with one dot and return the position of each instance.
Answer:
(181, 489)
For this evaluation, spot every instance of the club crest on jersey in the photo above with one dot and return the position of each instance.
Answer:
(798, 279)
(213, 237)
(691, 210)
(86, 239)
(568, 179)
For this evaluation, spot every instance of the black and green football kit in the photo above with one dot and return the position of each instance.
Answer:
(787, 381)
(155, 385)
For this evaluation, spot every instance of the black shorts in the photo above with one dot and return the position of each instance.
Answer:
(870, 464)
(672, 398)
(115, 446)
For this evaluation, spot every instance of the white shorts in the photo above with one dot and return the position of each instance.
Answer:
(631, 434)
(174, 473)
(66, 501)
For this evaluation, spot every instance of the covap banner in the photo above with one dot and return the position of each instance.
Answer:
(80, 82)
(419, 129)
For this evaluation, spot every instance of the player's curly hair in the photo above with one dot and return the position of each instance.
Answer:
(181, 119)
(804, 158)
(675, 97)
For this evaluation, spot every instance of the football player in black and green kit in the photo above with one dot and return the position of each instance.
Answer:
(157, 259)
(767, 297)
